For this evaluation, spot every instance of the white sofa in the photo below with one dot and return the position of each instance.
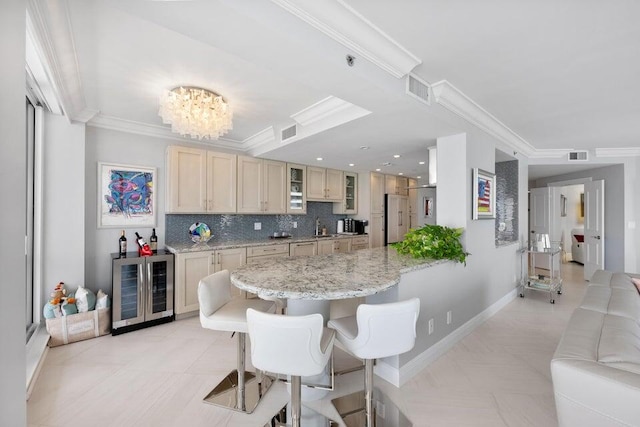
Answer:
(596, 366)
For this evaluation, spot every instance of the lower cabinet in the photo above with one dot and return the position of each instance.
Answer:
(261, 253)
(329, 246)
(192, 267)
(306, 249)
(358, 243)
(376, 231)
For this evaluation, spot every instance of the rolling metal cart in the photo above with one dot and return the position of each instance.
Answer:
(550, 281)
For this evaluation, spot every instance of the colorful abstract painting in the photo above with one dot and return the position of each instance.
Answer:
(126, 196)
(484, 197)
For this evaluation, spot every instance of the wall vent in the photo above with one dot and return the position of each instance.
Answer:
(578, 156)
(418, 89)
(289, 132)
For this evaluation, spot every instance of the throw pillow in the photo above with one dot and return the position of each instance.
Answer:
(85, 299)
(102, 300)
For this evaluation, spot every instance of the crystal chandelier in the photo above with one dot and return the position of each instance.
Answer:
(196, 112)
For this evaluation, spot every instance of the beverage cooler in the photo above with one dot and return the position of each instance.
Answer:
(142, 291)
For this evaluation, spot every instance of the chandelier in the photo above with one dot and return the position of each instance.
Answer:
(196, 112)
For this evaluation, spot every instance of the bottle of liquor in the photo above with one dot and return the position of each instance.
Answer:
(140, 240)
(153, 241)
(122, 251)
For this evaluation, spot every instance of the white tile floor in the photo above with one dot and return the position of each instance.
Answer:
(497, 376)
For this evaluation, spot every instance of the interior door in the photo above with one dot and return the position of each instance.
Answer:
(593, 227)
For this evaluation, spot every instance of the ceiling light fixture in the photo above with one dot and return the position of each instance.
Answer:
(197, 112)
(351, 164)
(319, 159)
(378, 170)
(418, 177)
(421, 163)
(397, 156)
(364, 147)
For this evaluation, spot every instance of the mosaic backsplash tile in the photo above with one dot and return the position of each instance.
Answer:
(507, 201)
(232, 227)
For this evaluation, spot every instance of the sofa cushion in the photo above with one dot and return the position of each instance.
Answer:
(581, 337)
(601, 277)
(596, 297)
(620, 343)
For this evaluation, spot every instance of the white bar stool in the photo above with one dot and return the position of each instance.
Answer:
(240, 390)
(377, 330)
(290, 345)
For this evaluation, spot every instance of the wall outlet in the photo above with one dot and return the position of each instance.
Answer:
(295, 224)
(430, 326)
(449, 317)
(257, 226)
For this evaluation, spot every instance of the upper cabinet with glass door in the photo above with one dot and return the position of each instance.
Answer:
(297, 190)
(349, 204)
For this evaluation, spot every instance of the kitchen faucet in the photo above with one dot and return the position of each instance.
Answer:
(317, 226)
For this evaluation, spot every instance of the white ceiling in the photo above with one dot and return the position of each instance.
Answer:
(561, 75)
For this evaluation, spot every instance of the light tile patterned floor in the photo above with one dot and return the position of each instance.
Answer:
(496, 376)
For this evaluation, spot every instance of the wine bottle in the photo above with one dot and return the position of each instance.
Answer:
(153, 241)
(140, 241)
(122, 244)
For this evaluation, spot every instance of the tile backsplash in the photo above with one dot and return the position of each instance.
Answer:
(232, 227)
(507, 201)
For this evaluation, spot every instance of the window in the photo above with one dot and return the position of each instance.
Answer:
(31, 323)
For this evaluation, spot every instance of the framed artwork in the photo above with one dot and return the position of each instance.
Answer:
(126, 196)
(581, 205)
(563, 205)
(484, 194)
(428, 206)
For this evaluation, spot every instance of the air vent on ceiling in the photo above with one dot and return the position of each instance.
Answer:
(418, 89)
(289, 132)
(578, 156)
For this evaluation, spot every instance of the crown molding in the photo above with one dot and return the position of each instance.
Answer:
(550, 153)
(49, 26)
(618, 152)
(261, 138)
(130, 126)
(343, 24)
(320, 110)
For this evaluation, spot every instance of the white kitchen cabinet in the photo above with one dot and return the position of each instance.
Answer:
(261, 186)
(360, 242)
(297, 189)
(377, 193)
(303, 248)
(396, 185)
(324, 185)
(193, 266)
(398, 218)
(413, 203)
(221, 182)
(333, 246)
(260, 253)
(200, 181)
(349, 203)
(186, 180)
(376, 230)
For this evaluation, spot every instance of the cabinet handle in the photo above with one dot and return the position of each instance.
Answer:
(400, 218)
(149, 307)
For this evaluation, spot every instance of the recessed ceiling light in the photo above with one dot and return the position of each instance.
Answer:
(400, 173)
(418, 177)
(397, 156)
(378, 170)
(364, 147)
(319, 159)
(386, 164)
(351, 164)
(421, 163)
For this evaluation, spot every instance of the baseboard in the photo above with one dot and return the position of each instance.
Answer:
(36, 353)
(398, 377)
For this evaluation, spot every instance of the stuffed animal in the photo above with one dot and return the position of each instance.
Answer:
(60, 303)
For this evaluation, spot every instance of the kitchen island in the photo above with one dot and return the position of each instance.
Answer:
(328, 277)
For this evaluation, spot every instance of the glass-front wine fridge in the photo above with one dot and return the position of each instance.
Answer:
(142, 291)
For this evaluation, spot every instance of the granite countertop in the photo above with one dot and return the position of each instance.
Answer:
(180, 248)
(335, 276)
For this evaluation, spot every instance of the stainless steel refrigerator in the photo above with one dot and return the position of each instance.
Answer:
(397, 217)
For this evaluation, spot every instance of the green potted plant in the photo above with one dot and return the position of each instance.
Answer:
(434, 242)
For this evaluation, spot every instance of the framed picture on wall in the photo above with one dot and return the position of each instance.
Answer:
(126, 196)
(428, 206)
(484, 194)
(563, 205)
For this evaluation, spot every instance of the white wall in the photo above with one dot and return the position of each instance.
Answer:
(491, 273)
(13, 223)
(63, 204)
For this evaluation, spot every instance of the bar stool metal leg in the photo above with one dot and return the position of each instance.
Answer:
(368, 392)
(296, 404)
(240, 390)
